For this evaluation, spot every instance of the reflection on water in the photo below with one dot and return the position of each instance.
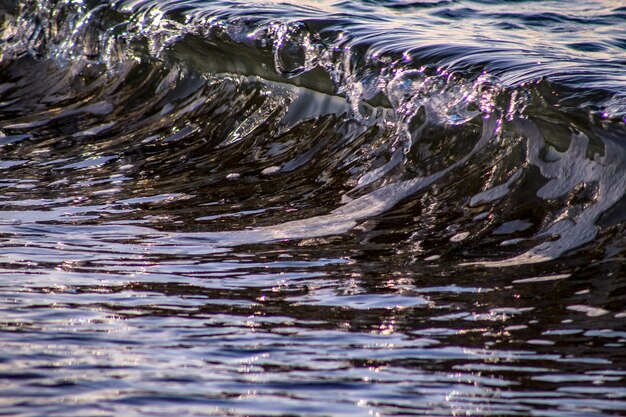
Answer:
(214, 208)
(97, 323)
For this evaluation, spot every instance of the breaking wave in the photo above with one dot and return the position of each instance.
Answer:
(298, 123)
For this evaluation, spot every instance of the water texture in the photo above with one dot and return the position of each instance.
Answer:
(329, 208)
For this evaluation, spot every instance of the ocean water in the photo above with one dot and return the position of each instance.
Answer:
(313, 208)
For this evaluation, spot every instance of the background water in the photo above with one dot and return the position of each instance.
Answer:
(362, 207)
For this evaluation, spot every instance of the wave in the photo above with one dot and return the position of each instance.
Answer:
(331, 124)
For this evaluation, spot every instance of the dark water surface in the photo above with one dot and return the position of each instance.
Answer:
(338, 208)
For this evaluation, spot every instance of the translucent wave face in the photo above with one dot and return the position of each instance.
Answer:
(386, 129)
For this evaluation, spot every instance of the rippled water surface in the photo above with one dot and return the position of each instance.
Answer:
(329, 208)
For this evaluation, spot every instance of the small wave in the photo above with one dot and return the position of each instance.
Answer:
(316, 118)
